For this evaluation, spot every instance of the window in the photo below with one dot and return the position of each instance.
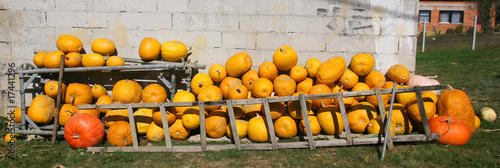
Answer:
(454, 17)
(425, 15)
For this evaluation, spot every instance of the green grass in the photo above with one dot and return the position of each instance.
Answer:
(475, 72)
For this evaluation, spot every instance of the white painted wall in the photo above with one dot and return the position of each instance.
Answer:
(216, 29)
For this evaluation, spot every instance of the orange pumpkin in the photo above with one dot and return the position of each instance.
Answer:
(331, 71)
(68, 43)
(349, 79)
(312, 66)
(66, 111)
(268, 70)
(104, 99)
(451, 130)
(119, 134)
(456, 103)
(217, 72)
(155, 133)
(127, 91)
(372, 99)
(330, 119)
(249, 78)
(17, 115)
(320, 89)
(313, 122)
(216, 124)
(182, 96)
(78, 94)
(298, 73)
(93, 60)
(199, 81)
(295, 110)
(284, 85)
(191, 118)
(398, 73)
(53, 59)
(359, 115)
(98, 91)
(83, 130)
(241, 126)
(149, 49)
(262, 87)
(38, 59)
(170, 117)
(227, 83)
(73, 59)
(238, 64)
(257, 130)
(210, 93)
(115, 61)
(360, 86)
(93, 112)
(177, 130)
(173, 51)
(348, 101)
(285, 127)
(285, 58)
(115, 115)
(238, 111)
(429, 106)
(237, 92)
(276, 109)
(400, 120)
(404, 98)
(51, 88)
(305, 85)
(362, 64)
(251, 110)
(154, 93)
(375, 79)
(103, 46)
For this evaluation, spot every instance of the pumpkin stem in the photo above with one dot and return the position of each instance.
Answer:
(272, 94)
(76, 136)
(126, 142)
(282, 48)
(200, 85)
(450, 88)
(322, 104)
(72, 100)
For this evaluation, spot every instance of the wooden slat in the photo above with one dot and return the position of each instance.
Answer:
(232, 122)
(270, 125)
(257, 146)
(344, 119)
(203, 129)
(305, 117)
(381, 108)
(131, 120)
(166, 128)
(423, 114)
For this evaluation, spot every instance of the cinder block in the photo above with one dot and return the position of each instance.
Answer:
(305, 42)
(110, 6)
(83, 5)
(146, 20)
(173, 6)
(273, 40)
(5, 49)
(397, 26)
(324, 25)
(188, 21)
(212, 39)
(261, 23)
(240, 7)
(30, 18)
(392, 9)
(222, 22)
(387, 44)
(69, 19)
(290, 8)
(140, 6)
(32, 35)
(5, 19)
(359, 43)
(239, 40)
(204, 7)
(359, 26)
(296, 24)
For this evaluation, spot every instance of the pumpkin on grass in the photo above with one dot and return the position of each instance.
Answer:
(330, 120)
(119, 134)
(143, 118)
(359, 115)
(42, 109)
(83, 130)
(257, 129)
(191, 118)
(155, 133)
(177, 130)
(400, 119)
(216, 124)
(313, 122)
(429, 106)
(456, 103)
(241, 127)
(488, 114)
(285, 127)
(451, 130)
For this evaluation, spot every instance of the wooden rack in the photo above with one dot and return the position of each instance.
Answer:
(273, 143)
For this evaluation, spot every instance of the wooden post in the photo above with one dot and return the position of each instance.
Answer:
(133, 128)
(305, 117)
(203, 127)
(270, 125)
(347, 131)
(232, 122)
(423, 114)
(58, 100)
(166, 130)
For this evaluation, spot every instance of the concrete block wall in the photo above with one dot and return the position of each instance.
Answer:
(216, 29)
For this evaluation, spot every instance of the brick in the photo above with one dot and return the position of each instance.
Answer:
(239, 40)
(184, 21)
(222, 22)
(146, 20)
(110, 6)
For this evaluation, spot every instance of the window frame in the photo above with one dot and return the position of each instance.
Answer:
(420, 16)
(450, 14)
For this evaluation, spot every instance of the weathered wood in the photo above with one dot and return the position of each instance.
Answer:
(203, 128)
(305, 117)
(347, 130)
(270, 125)
(423, 114)
(166, 128)
(333, 142)
(232, 122)
(257, 146)
(385, 123)
(131, 119)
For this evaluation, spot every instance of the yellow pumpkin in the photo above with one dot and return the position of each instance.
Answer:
(53, 59)
(284, 85)
(330, 119)
(143, 118)
(182, 96)
(359, 115)
(154, 93)
(199, 81)
(238, 111)
(51, 88)
(295, 110)
(42, 109)
(93, 112)
(93, 60)
(10, 138)
(251, 110)
(276, 109)
(375, 126)
(375, 79)
(103, 46)
(38, 59)
(216, 124)
(173, 51)
(414, 111)
(217, 72)
(249, 78)
(17, 115)
(149, 49)
(262, 87)
(404, 98)
(68, 43)
(238, 64)
(400, 120)
(177, 130)
(73, 59)
(210, 93)
(298, 73)
(398, 73)
(305, 85)
(285, 58)
(320, 89)
(257, 129)
(312, 66)
(191, 118)
(360, 86)
(237, 92)
(313, 122)
(227, 83)
(115, 61)
(349, 79)
(127, 91)
(285, 127)
(78, 94)
(241, 126)
(362, 64)
(155, 133)
(268, 70)
(98, 91)
(348, 101)
(170, 117)
(104, 99)
(66, 111)
(331, 71)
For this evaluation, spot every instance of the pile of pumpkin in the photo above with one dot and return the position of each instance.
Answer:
(236, 80)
